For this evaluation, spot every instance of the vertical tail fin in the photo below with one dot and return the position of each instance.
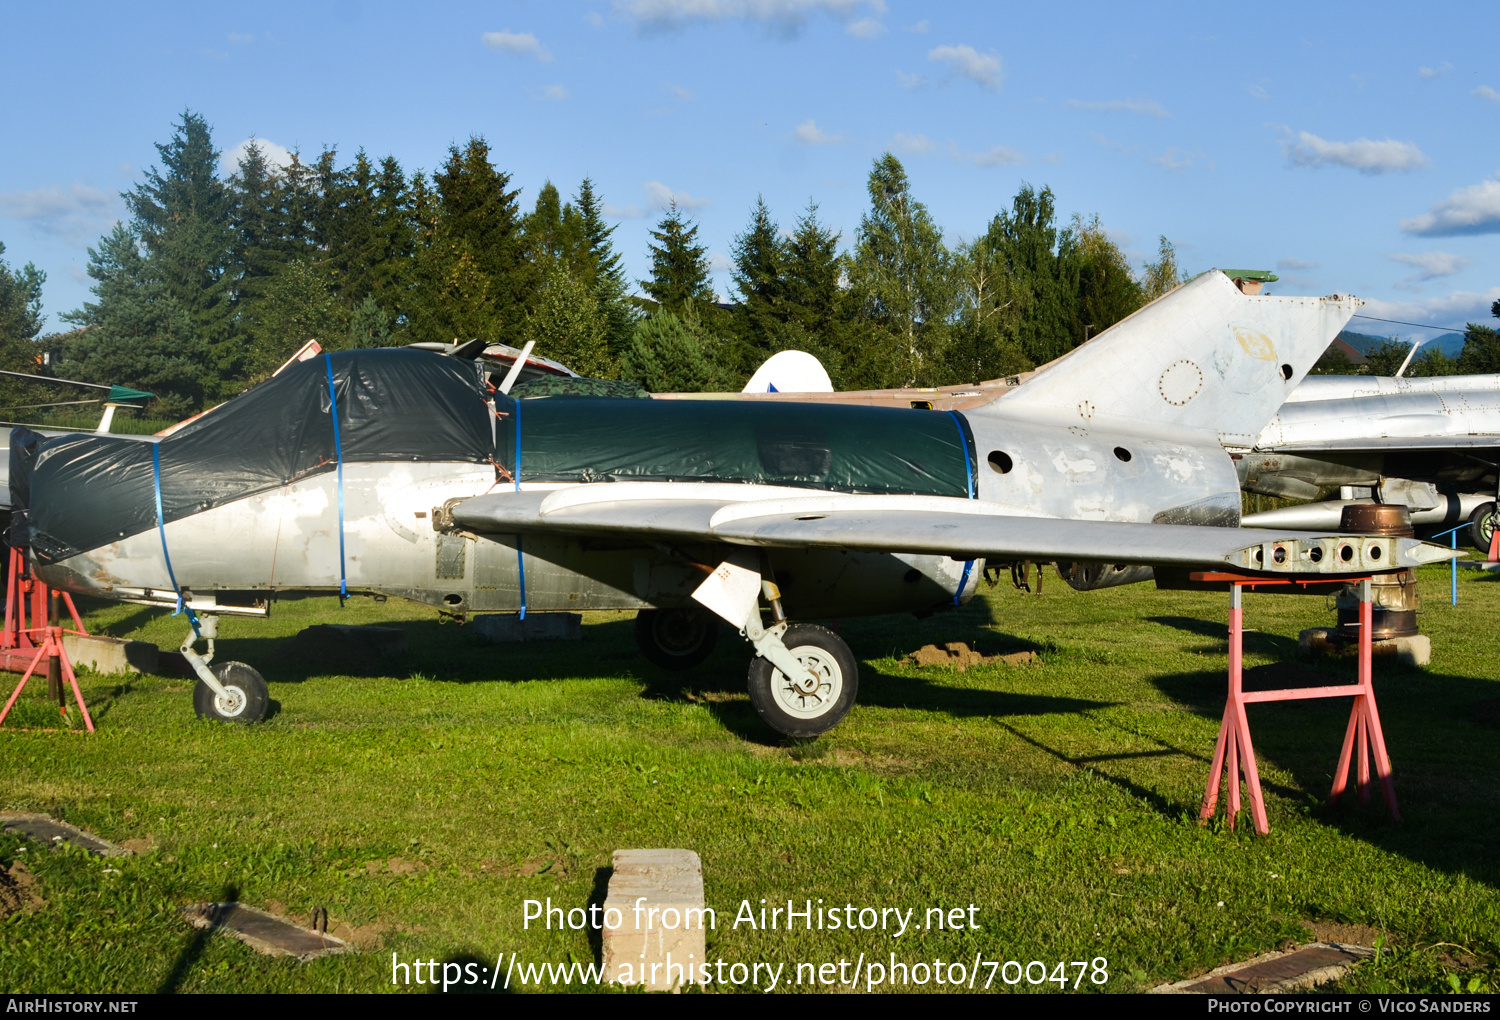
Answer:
(1204, 358)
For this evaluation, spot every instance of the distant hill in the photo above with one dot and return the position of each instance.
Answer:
(1451, 344)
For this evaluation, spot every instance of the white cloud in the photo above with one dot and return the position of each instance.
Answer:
(663, 196)
(1471, 210)
(1362, 154)
(1144, 107)
(521, 44)
(1256, 90)
(1432, 264)
(77, 214)
(594, 19)
(966, 62)
(679, 93)
(999, 155)
(718, 262)
(277, 155)
(1180, 159)
(556, 93)
(920, 28)
(1435, 72)
(1448, 310)
(1296, 264)
(1485, 92)
(241, 37)
(785, 16)
(629, 212)
(866, 28)
(808, 133)
(910, 145)
(910, 81)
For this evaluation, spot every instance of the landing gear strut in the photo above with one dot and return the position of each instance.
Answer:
(804, 678)
(228, 692)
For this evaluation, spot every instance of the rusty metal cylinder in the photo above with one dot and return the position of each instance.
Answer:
(1395, 595)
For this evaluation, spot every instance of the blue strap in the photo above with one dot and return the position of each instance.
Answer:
(963, 441)
(963, 581)
(338, 449)
(161, 529)
(520, 555)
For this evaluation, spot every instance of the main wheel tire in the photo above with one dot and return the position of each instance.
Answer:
(676, 639)
(792, 710)
(248, 700)
(1482, 526)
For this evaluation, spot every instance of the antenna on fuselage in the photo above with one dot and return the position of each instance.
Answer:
(515, 370)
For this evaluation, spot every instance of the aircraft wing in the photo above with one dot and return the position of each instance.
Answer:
(963, 529)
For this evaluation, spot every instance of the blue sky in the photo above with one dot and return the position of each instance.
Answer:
(1349, 147)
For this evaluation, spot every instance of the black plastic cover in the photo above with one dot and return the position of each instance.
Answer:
(394, 404)
(844, 448)
(24, 444)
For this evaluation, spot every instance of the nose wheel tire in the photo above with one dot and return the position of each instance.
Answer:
(810, 705)
(1482, 527)
(676, 639)
(248, 697)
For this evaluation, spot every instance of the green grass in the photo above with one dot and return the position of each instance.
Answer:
(1059, 797)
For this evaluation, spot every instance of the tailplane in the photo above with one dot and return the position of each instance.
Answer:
(1204, 357)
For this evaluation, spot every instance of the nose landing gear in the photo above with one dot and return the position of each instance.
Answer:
(228, 692)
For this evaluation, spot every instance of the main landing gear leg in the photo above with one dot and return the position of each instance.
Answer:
(228, 692)
(803, 679)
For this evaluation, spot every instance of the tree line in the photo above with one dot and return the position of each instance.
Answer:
(214, 281)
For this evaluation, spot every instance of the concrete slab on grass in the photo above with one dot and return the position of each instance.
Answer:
(50, 831)
(263, 932)
(108, 655)
(503, 628)
(659, 941)
(1295, 970)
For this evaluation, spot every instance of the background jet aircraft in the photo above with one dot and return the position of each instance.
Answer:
(1432, 444)
(402, 472)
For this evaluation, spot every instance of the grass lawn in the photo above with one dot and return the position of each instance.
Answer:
(422, 808)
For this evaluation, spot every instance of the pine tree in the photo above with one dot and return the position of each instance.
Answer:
(568, 327)
(480, 252)
(137, 334)
(261, 246)
(679, 264)
(299, 305)
(675, 354)
(759, 255)
(183, 215)
(900, 276)
(369, 326)
(20, 313)
(607, 273)
(1044, 275)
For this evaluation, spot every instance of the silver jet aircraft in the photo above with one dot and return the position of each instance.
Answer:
(403, 473)
(1432, 444)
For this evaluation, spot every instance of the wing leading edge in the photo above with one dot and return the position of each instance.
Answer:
(963, 529)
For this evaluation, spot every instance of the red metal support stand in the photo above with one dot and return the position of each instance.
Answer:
(26, 602)
(51, 647)
(1364, 732)
(1235, 749)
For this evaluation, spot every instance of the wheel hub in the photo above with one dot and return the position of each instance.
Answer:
(811, 694)
(232, 704)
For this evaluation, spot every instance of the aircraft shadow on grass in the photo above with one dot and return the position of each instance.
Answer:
(1442, 731)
